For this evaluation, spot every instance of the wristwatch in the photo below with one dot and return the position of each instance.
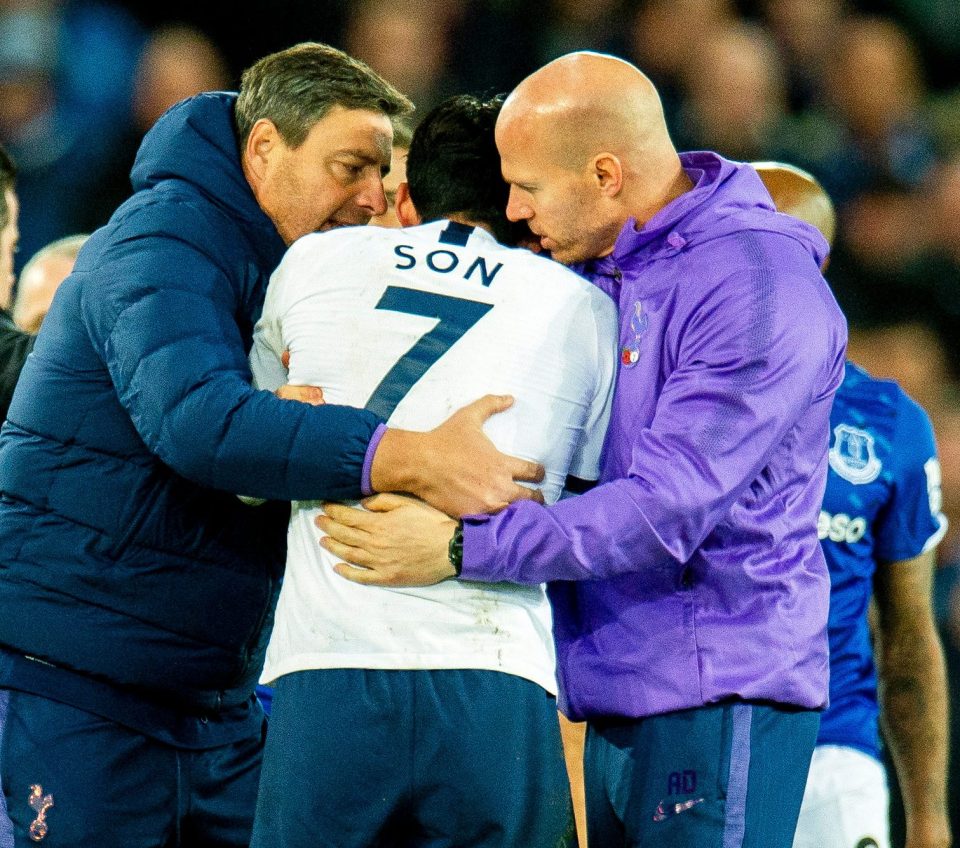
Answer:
(455, 548)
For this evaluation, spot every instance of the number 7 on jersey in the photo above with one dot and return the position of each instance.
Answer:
(455, 315)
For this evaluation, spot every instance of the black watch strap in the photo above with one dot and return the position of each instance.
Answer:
(455, 548)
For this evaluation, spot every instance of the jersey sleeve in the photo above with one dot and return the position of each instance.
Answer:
(585, 463)
(266, 363)
(912, 521)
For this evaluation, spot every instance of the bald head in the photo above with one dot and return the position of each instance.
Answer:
(40, 279)
(587, 102)
(797, 193)
(595, 124)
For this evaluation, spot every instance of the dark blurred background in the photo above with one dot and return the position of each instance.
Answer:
(865, 95)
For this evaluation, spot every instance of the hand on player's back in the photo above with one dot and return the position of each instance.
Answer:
(455, 467)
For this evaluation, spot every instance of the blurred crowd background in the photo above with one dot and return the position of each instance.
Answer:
(864, 95)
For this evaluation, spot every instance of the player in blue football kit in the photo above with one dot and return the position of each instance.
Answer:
(879, 527)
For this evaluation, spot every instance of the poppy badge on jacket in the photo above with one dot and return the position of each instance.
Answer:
(630, 354)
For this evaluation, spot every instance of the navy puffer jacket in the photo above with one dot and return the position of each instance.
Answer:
(124, 553)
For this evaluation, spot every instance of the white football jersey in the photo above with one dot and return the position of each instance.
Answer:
(414, 324)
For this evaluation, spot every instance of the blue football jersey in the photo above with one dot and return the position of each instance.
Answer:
(882, 504)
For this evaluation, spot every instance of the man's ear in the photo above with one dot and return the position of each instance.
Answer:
(608, 173)
(407, 213)
(264, 139)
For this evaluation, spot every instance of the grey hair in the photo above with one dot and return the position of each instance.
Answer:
(298, 86)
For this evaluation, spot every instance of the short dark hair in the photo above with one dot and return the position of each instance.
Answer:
(8, 179)
(453, 167)
(296, 87)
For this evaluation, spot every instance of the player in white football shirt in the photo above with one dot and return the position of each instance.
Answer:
(426, 716)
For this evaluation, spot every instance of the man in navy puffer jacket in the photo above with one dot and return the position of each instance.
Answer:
(136, 591)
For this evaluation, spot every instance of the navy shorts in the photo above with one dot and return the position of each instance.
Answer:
(73, 779)
(727, 775)
(360, 758)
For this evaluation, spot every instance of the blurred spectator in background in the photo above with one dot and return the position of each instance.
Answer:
(569, 25)
(40, 279)
(875, 97)
(15, 345)
(495, 43)
(936, 23)
(935, 272)
(66, 68)
(402, 135)
(942, 208)
(883, 229)
(735, 94)
(873, 269)
(665, 36)
(177, 62)
(806, 31)
(407, 43)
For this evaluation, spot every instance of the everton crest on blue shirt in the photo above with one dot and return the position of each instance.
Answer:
(853, 456)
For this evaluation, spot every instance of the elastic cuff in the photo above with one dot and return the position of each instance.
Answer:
(475, 552)
(365, 485)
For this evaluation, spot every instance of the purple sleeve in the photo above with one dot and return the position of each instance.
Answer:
(365, 486)
(743, 379)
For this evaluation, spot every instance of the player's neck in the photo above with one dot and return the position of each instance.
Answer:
(463, 219)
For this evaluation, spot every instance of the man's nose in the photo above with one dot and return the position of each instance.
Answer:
(516, 209)
(372, 196)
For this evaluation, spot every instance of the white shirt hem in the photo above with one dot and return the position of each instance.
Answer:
(543, 677)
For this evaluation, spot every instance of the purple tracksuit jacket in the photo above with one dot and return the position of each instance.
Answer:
(693, 572)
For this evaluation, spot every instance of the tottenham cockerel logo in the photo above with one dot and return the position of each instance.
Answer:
(40, 803)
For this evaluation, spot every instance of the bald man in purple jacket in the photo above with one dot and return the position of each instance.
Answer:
(690, 592)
